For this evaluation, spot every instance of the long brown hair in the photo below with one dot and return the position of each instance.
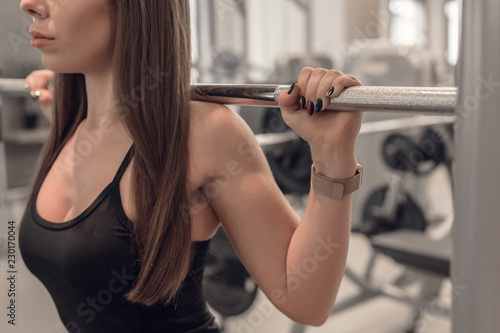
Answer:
(151, 77)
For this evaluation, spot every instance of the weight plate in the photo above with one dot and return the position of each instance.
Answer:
(291, 166)
(408, 214)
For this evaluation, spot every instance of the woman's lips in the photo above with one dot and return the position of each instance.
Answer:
(41, 42)
(39, 39)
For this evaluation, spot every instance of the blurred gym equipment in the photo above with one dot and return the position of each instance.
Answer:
(290, 163)
(400, 152)
(378, 62)
(395, 226)
(21, 136)
(228, 288)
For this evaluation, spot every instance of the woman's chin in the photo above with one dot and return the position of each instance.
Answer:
(58, 66)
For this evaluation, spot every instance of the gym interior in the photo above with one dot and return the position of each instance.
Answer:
(424, 226)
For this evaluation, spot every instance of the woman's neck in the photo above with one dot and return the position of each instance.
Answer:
(100, 101)
(102, 111)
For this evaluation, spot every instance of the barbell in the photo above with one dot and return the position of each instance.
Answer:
(12, 87)
(420, 100)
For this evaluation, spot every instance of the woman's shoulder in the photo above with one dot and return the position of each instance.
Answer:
(216, 123)
(210, 114)
(217, 134)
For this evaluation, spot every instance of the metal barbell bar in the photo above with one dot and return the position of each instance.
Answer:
(12, 87)
(420, 100)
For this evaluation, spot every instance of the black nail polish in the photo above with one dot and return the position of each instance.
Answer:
(319, 105)
(311, 108)
(303, 102)
(291, 87)
(330, 92)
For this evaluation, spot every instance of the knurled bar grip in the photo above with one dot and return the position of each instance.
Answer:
(420, 100)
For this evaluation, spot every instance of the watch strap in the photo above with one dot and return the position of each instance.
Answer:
(336, 188)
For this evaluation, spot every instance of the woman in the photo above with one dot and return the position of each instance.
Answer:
(122, 251)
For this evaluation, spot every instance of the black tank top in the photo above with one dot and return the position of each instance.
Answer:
(88, 264)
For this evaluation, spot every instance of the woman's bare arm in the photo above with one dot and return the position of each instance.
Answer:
(298, 263)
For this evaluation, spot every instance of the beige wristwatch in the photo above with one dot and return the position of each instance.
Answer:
(336, 188)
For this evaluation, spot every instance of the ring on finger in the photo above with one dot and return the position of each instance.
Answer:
(35, 94)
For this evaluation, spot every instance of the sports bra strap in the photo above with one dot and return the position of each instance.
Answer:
(124, 164)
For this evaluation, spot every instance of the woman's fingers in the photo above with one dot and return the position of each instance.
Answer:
(304, 77)
(312, 87)
(324, 88)
(315, 88)
(39, 80)
(45, 97)
(289, 100)
(332, 85)
(39, 83)
(316, 85)
(295, 99)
